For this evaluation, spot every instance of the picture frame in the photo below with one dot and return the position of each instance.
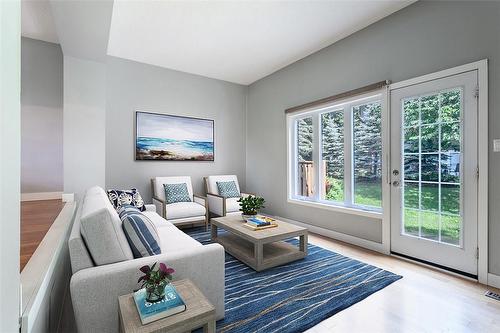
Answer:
(167, 137)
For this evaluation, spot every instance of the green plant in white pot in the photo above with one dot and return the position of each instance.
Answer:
(250, 206)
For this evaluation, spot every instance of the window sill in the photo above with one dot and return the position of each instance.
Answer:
(346, 210)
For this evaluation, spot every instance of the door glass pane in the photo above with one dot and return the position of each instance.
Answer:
(431, 166)
(411, 137)
(411, 167)
(430, 138)
(367, 154)
(429, 109)
(332, 143)
(305, 174)
(450, 167)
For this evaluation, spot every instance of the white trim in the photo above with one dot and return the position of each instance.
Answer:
(68, 197)
(432, 267)
(315, 113)
(477, 65)
(483, 147)
(42, 271)
(364, 243)
(40, 196)
(336, 208)
(386, 171)
(482, 186)
(494, 280)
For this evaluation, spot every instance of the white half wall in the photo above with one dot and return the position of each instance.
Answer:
(84, 125)
(10, 143)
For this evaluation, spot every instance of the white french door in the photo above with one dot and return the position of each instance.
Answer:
(434, 171)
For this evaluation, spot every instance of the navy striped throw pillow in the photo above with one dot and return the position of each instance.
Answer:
(141, 234)
(126, 210)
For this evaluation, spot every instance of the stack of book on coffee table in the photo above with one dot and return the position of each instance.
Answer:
(260, 222)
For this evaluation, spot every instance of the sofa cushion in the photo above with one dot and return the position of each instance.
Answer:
(141, 234)
(228, 189)
(126, 197)
(158, 221)
(211, 182)
(232, 205)
(101, 228)
(181, 210)
(176, 193)
(173, 240)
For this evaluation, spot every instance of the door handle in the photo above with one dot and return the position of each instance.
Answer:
(395, 183)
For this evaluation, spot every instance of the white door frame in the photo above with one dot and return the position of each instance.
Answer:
(482, 217)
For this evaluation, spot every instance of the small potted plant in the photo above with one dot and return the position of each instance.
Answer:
(250, 206)
(154, 281)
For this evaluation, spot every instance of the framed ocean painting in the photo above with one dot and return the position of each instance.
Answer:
(163, 137)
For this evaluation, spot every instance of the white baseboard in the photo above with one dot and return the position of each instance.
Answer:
(40, 196)
(68, 197)
(494, 280)
(367, 244)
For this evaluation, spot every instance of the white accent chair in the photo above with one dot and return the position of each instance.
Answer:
(179, 213)
(217, 204)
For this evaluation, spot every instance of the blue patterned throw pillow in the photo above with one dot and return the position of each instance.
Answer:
(176, 193)
(126, 197)
(141, 234)
(228, 189)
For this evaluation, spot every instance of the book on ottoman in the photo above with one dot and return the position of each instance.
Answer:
(149, 312)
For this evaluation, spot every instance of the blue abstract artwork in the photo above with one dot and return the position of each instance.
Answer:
(173, 138)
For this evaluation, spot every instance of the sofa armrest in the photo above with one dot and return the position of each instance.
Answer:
(150, 207)
(160, 206)
(199, 199)
(216, 204)
(95, 291)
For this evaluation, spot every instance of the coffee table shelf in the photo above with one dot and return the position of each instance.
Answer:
(260, 249)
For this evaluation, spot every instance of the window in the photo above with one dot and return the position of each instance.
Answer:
(336, 154)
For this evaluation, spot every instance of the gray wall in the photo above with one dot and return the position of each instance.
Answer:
(84, 124)
(41, 116)
(132, 86)
(420, 39)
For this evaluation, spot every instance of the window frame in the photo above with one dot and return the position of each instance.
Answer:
(346, 106)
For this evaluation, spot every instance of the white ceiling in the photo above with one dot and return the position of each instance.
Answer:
(37, 21)
(236, 41)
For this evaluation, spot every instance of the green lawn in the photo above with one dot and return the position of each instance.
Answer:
(370, 194)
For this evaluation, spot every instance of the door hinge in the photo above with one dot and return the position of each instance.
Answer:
(476, 92)
(477, 172)
(477, 252)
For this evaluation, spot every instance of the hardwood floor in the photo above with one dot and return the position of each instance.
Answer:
(424, 300)
(36, 219)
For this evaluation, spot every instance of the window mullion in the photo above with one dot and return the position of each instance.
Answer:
(317, 157)
(348, 169)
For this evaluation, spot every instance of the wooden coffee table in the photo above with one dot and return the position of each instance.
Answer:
(259, 249)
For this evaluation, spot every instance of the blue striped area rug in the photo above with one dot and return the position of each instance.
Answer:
(297, 295)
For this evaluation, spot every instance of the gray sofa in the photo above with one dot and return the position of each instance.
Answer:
(104, 268)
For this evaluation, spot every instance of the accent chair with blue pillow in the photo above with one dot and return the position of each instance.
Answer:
(175, 201)
(223, 193)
